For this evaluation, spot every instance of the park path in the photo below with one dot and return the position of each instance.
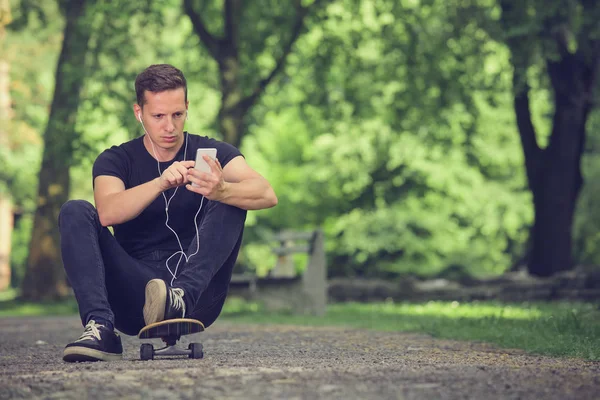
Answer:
(286, 362)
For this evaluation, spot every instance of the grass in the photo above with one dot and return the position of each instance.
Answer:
(14, 308)
(10, 306)
(557, 329)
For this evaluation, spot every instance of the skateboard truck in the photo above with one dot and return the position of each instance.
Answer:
(170, 331)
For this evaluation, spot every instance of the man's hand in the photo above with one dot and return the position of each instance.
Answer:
(175, 175)
(210, 185)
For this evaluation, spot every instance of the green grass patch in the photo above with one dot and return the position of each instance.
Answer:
(10, 306)
(15, 308)
(7, 295)
(557, 329)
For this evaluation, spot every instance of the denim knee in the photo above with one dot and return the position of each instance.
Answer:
(226, 209)
(76, 210)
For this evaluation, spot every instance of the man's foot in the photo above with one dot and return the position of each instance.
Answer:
(162, 302)
(97, 343)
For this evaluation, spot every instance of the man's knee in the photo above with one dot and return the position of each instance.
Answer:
(76, 210)
(229, 210)
(208, 317)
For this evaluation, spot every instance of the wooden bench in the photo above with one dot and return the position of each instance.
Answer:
(283, 289)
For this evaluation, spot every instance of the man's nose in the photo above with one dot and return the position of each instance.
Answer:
(170, 124)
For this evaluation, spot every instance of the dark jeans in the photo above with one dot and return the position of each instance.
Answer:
(109, 283)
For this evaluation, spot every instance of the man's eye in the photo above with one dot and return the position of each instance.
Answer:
(158, 116)
(178, 115)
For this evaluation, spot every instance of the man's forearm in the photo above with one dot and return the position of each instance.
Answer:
(250, 194)
(126, 205)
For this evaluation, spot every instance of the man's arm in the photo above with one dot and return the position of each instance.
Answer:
(237, 184)
(116, 205)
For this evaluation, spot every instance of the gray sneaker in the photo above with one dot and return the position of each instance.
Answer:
(163, 302)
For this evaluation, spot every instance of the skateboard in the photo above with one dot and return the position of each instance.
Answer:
(170, 331)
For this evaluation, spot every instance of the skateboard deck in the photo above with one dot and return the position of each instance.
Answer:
(170, 331)
(171, 328)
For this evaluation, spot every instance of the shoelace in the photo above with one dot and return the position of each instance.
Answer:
(177, 300)
(91, 331)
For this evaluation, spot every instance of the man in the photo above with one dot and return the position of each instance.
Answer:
(158, 204)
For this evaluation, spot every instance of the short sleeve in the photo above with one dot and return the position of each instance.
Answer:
(110, 162)
(227, 152)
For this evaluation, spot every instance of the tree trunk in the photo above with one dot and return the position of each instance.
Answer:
(231, 115)
(554, 173)
(6, 212)
(45, 278)
(554, 198)
(6, 227)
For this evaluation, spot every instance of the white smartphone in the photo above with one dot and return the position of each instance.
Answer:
(202, 165)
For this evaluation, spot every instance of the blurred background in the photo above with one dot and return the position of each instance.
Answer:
(444, 140)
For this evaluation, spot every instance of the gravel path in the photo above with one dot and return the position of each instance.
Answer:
(285, 362)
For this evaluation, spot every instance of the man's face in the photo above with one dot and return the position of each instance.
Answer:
(163, 116)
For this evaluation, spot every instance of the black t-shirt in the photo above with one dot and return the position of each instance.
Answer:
(134, 165)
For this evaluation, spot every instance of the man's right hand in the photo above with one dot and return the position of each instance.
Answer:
(175, 175)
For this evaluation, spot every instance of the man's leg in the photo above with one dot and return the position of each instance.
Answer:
(98, 269)
(209, 270)
(208, 307)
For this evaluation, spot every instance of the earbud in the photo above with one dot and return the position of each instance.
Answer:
(139, 115)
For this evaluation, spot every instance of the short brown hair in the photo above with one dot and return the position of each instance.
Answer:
(158, 78)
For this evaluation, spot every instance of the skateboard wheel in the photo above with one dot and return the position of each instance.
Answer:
(196, 350)
(146, 351)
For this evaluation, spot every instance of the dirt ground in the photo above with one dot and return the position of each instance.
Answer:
(285, 362)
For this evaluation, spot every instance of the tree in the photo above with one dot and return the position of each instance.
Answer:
(6, 211)
(240, 89)
(562, 39)
(45, 278)
(391, 133)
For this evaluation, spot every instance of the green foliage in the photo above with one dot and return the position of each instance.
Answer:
(20, 242)
(32, 44)
(106, 109)
(586, 235)
(544, 29)
(405, 152)
(31, 48)
(391, 127)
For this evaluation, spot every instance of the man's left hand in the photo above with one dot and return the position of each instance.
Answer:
(210, 185)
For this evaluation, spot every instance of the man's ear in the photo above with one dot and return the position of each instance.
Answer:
(137, 111)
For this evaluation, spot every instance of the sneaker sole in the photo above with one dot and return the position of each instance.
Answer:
(77, 354)
(156, 297)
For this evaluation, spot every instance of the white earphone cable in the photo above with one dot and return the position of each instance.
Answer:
(181, 252)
